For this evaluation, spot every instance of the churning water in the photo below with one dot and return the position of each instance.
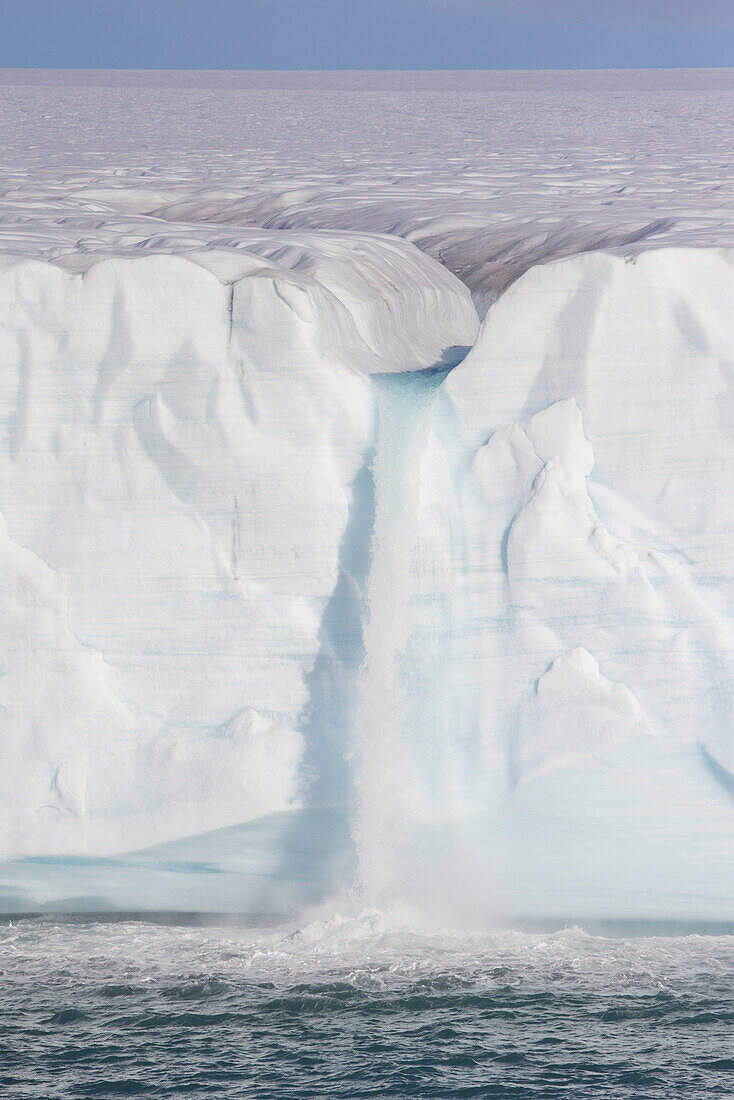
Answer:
(357, 1007)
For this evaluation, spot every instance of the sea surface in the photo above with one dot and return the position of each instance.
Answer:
(359, 1006)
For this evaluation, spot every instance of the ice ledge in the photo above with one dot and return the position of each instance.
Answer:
(388, 306)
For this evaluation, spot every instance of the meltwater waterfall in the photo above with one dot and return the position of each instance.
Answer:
(407, 759)
(384, 752)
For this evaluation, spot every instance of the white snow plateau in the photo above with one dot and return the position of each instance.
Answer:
(367, 492)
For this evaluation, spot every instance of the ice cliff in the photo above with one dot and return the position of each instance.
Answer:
(266, 603)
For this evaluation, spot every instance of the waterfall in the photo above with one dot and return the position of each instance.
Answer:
(391, 781)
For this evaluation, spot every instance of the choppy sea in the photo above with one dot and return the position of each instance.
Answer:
(358, 1006)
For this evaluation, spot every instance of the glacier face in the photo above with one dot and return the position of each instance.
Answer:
(308, 579)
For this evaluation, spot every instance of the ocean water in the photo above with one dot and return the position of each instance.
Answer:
(359, 1006)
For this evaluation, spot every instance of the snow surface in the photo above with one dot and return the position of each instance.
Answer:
(295, 592)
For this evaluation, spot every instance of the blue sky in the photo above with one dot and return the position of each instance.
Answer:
(379, 34)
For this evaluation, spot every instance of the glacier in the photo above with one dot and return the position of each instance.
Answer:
(367, 527)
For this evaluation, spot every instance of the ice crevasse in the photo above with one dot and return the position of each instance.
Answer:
(290, 602)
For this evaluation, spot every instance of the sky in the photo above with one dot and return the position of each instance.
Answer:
(366, 34)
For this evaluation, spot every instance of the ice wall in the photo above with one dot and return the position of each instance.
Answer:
(269, 610)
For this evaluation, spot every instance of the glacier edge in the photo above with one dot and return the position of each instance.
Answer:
(182, 453)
